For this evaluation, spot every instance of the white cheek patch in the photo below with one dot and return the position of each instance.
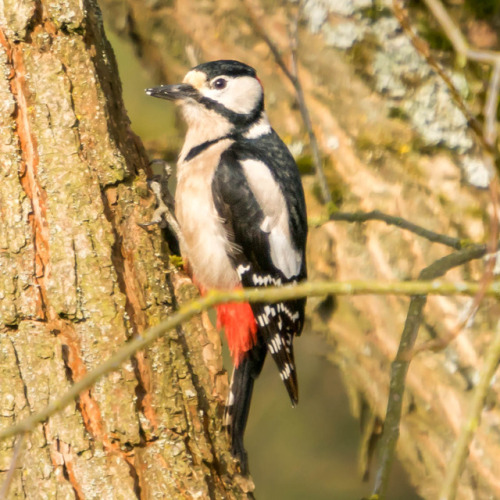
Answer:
(241, 94)
(272, 202)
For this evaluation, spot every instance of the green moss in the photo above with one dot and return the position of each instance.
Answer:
(484, 9)
(331, 208)
(443, 199)
(376, 11)
(475, 211)
(336, 193)
(305, 165)
(436, 38)
(398, 112)
(176, 261)
(141, 189)
(466, 242)
(361, 54)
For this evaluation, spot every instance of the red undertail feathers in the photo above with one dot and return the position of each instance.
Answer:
(240, 328)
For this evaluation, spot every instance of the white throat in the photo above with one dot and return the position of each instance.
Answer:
(197, 119)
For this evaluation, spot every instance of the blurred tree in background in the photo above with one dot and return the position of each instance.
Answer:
(78, 276)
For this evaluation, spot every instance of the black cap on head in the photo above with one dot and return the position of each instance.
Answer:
(225, 67)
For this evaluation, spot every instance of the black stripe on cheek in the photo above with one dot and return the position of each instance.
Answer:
(237, 119)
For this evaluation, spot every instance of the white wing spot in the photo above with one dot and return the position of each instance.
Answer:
(265, 280)
(241, 269)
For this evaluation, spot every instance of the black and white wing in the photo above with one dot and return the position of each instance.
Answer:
(258, 194)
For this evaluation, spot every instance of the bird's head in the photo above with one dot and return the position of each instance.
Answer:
(228, 91)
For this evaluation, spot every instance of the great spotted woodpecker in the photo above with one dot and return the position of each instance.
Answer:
(240, 206)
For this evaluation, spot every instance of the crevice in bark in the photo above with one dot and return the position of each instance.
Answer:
(67, 369)
(210, 479)
(18, 364)
(203, 405)
(134, 474)
(36, 20)
(143, 395)
(9, 329)
(64, 450)
(89, 409)
(75, 370)
(118, 261)
(76, 128)
(28, 173)
(116, 116)
(132, 307)
(88, 406)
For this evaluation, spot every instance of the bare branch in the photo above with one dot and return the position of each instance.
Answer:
(456, 37)
(423, 48)
(402, 224)
(451, 30)
(491, 105)
(461, 451)
(4, 491)
(399, 367)
(271, 294)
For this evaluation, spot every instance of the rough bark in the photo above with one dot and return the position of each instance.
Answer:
(78, 277)
(393, 140)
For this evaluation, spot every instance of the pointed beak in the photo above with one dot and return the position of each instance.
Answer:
(173, 92)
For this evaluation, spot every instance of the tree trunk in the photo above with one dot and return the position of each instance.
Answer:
(79, 276)
(393, 140)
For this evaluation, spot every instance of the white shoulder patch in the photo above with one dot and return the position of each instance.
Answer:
(259, 128)
(276, 223)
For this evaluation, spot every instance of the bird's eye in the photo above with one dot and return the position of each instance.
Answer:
(220, 83)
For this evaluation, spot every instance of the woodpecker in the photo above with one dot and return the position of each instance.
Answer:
(240, 206)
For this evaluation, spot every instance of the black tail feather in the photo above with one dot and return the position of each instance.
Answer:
(240, 396)
(279, 323)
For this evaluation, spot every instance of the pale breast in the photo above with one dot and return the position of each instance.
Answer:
(206, 245)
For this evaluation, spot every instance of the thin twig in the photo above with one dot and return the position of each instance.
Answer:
(292, 75)
(4, 491)
(490, 137)
(304, 110)
(457, 244)
(451, 30)
(491, 106)
(257, 27)
(487, 135)
(399, 367)
(423, 48)
(461, 451)
(456, 37)
(270, 294)
(392, 220)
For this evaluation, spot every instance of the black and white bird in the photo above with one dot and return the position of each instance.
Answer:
(240, 206)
